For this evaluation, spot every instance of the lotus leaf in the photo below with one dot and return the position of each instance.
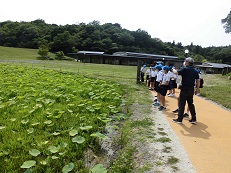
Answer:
(99, 135)
(2, 127)
(86, 127)
(48, 122)
(53, 149)
(28, 164)
(98, 169)
(34, 152)
(24, 121)
(30, 130)
(13, 119)
(35, 124)
(78, 139)
(73, 132)
(68, 168)
(54, 157)
(56, 133)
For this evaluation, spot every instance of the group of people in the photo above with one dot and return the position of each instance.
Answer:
(164, 78)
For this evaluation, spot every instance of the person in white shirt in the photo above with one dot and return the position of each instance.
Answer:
(153, 78)
(148, 72)
(159, 77)
(164, 86)
(172, 83)
(142, 71)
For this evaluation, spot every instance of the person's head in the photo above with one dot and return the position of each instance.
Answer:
(189, 61)
(159, 67)
(166, 69)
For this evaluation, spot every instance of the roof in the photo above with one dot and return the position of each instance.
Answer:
(90, 52)
(144, 55)
(214, 65)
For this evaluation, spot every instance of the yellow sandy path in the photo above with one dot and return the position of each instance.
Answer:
(208, 143)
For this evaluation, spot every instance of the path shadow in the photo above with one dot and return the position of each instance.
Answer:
(197, 130)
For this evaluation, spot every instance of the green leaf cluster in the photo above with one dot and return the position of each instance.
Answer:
(48, 119)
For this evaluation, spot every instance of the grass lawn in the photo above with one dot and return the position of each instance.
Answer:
(9, 53)
(218, 89)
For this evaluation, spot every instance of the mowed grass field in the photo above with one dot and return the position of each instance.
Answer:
(216, 87)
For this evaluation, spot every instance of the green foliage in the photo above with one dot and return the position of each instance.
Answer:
(98, 169)
(163, 139)
(125, 162)
(227, 23)
(172, 160)
(43, 51)
(48, 119)
(59, 55)
(108, 38)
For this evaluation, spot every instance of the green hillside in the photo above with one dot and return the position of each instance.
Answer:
(9, 53)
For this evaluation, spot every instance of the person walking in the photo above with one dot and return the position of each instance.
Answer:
(189, 75)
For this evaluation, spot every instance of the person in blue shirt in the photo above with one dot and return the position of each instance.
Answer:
(189, 75)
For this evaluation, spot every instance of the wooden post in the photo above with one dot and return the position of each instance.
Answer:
(138, 72)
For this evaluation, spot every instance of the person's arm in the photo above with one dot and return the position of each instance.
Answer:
(197, 86)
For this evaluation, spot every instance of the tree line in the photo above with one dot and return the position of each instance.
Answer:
(107, 37)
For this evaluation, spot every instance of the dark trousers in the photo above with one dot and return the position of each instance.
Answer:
(186, 96)
(142, 76)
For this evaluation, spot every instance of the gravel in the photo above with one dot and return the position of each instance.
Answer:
(157, 150)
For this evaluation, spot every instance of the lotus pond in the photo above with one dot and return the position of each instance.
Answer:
(48, 119)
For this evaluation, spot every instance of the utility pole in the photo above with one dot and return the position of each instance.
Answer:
(138, 72)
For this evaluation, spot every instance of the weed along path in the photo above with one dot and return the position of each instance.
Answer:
(207, 142)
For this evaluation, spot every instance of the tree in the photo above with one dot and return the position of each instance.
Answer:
(43, 51)
(63, 41)
(59, 55)
(227, 23)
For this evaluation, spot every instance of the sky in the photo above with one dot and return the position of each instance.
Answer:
(185, 21)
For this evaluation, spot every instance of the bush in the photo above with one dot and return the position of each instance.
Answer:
(59, 55)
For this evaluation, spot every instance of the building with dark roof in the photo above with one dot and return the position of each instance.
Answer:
(215, 68)
(125, 58)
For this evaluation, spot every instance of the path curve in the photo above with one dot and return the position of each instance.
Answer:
(208, 143)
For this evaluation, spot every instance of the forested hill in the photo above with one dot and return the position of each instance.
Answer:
(93, 36)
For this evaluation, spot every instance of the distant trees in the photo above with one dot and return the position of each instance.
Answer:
(108, 38)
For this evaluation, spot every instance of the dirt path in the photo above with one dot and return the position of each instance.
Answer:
(208, 143)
